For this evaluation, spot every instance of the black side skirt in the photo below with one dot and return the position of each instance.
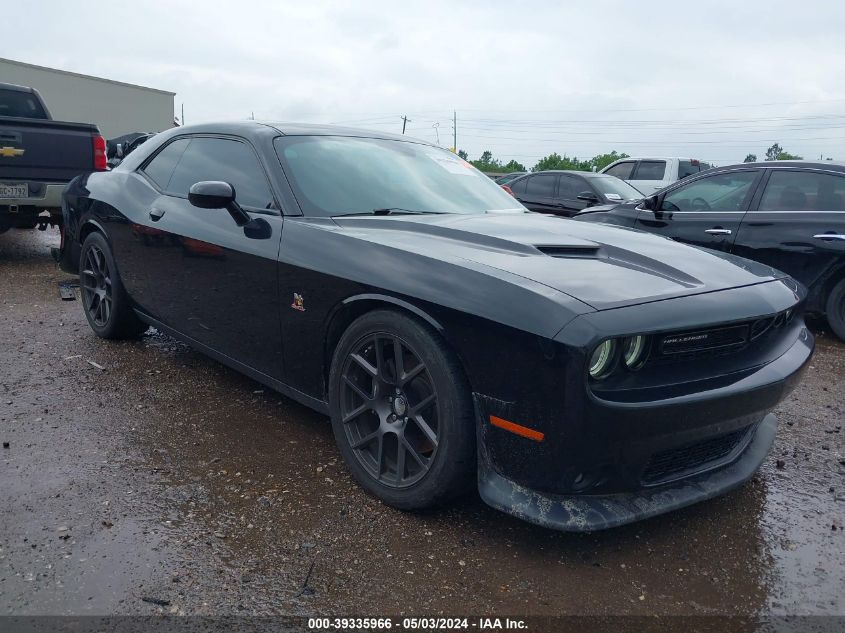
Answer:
(320, 406)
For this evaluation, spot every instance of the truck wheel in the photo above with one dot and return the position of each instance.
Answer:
(835, 309)
(401, 412)
(104, 299)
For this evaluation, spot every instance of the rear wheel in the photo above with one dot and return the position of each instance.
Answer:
(401, 412)
(104, 299)
(835, 309)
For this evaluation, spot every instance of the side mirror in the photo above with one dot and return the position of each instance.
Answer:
(653, 204)
(211, 194)
(588, 196)
(215, 194)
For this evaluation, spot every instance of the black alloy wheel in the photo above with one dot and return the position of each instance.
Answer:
(402, 412)
(389, 410)
(104, 299)
(96, 286)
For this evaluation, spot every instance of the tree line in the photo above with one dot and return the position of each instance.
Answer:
(487, 163)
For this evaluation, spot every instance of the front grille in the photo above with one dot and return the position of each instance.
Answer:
(703, 343)
(704, 340)
(693, 458)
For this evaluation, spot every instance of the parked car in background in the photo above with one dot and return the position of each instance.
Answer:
(652, 174)
(787, 214)
(38, 157)
(455, 340)
(119, 148)
(568, 192)
(507, 178)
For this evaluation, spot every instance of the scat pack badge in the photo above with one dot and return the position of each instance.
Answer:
(298, 302)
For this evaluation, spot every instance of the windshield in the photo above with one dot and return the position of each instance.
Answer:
(339, 175)
(615, 189)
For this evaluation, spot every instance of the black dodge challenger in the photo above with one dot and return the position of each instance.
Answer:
(581, 376)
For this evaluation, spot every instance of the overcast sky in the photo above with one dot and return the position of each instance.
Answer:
(712, 80)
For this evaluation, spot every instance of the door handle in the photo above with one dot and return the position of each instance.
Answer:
(829, 236)
(155, 214)
(718, 231)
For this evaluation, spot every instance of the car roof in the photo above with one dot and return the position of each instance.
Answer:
(251, 127)
(574, 172)
(661, 158)
(16, 87)
(832, 165)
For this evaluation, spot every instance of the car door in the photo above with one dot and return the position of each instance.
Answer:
(649, 176)
(797, 224)
(569, 187)
(539, 194)
(705, 212)
(210, 279)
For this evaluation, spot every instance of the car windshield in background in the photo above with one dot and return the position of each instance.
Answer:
(339, 175)
(614, 189)
(20, 104)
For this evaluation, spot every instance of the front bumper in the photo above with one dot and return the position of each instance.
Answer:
(601, 463)
(588, 513)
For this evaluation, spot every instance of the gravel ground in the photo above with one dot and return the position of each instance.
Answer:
(143, 478)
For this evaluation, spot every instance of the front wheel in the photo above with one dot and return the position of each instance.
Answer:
(401, 412)
(835, 309)
(104, 299)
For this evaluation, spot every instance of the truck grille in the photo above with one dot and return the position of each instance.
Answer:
(693, 458)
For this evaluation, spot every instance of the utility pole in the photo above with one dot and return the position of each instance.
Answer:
(183, 114)
(454, 131)
(405, 121)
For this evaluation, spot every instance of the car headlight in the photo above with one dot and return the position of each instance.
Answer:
(601, 362)
(634, 351)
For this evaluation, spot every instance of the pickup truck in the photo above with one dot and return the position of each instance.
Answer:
(38, 157)
(653, 174)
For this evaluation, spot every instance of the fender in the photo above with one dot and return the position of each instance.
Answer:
(388, 299)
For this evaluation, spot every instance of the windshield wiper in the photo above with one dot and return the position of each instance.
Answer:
(387, 211)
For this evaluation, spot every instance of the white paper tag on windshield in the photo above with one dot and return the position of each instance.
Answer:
(612, 196)
(452, 165)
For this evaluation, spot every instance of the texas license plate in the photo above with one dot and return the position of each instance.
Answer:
(14, 191)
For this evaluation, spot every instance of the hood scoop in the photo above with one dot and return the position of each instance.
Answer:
(580, 251)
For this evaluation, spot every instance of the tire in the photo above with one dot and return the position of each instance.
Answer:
(835, 309)
(104, 299)
(435, 437)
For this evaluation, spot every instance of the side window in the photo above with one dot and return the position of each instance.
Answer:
(650, 170)
(722, 192)
(688, 168)
(622, 170)
(568, 187)
(223, 159)
(518, 186)
(160, 168)
(542, 186)
(803, 191)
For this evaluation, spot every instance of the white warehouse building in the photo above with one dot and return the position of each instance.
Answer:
(117, 108)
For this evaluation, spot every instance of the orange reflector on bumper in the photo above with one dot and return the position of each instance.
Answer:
(518, 429)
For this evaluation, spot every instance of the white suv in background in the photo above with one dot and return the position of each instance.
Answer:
(650, 174)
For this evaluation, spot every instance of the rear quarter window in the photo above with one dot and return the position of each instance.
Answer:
(518, 186)
(160, 168)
